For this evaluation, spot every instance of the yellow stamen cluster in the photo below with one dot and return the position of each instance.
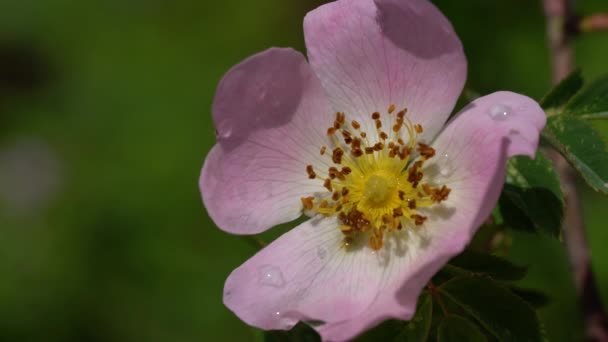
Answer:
(375, 188)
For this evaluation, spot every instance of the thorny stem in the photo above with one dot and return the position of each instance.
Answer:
(560, 18)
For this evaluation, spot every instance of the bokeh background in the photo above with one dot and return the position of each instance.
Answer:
(104, 125)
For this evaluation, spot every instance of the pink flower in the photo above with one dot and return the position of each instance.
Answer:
(355, 139)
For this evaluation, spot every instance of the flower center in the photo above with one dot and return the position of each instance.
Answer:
(375, 188)
(378, 190)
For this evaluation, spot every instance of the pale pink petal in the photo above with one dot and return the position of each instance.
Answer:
(472, 154)
(371, 54)
(270, 113)
(307, 274)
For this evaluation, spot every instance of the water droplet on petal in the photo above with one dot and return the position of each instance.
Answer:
(446, 167)
(271, 276)
(225, 133)
(499, 112)
(321, 253)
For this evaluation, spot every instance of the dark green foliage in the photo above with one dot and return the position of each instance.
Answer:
(490, 265)
(532, 199)
(456, 329)
(559, 95)
(414, 330)
(591, 102)
(502, 313)
(582, 146)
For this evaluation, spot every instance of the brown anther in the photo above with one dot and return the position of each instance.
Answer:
(337, 155)
(386, 218)
(340, 117)
(337, 125)
(356, 143)
(400, 141)
(437, 194)
(391, 144)
(356, 152)
(355, 220)
(355, 124)
(414, 176)
(307, 202)
(425, 150)
(331, 131)
(311, 172)
(344, 191)
(418, 128)
(369, 150)
(427, 188)
(378, 124)
(401, 114)
(345, 229)
(323, 149)
(391, 109)
(375, 115)
(347, 137)
(346, 170)
(402, 195)
(339, 207)
(383, 136)
(340, 176)
(323, 204)
(418, 219)
(333, 172)
(397, 212)
(327, 184)
(404, 153)
(396, 127)
(375, 242)
(378, 146)
(335, 196)
(363, 135)
(411, 203)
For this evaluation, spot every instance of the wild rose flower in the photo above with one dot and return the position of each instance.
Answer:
(355, 139)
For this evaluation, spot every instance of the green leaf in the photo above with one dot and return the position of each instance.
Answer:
(490, 265)
(561, 93)
(533, 297)
(582, 146)
(417, 329)
(591, 102)
(502, 313)
(457, 329)
(532, 199)
(414, 330)
(299, 333)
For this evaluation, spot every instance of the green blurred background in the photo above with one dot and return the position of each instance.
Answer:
(104, 125)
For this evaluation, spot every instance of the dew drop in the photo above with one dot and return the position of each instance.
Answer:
(499, 112)
(271, 276)
(446, 167)
(226, 133)
(321, 253)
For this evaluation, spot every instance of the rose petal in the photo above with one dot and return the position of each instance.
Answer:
(371, 54)
(307, 274)
(472, 150)
(270, 112)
